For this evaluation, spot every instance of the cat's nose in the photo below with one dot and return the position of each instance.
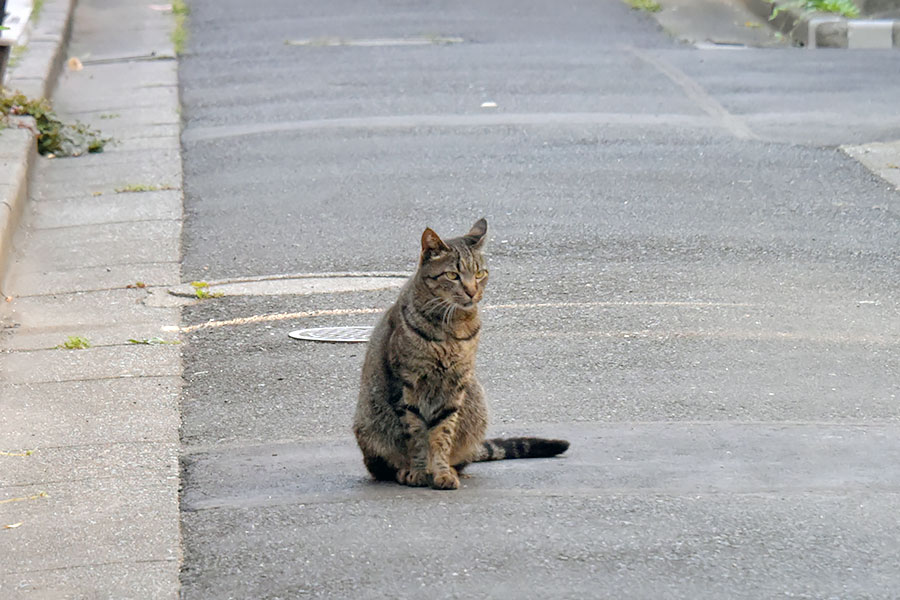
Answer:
(470, 290)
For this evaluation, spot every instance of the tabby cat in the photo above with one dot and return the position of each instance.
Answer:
(421, 415)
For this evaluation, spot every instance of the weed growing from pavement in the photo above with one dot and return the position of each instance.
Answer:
(201, 290)
(54, 137)
(75, 343)
(844, 8)
(179, 35)
(152, 341)
(15, 56)
(645, 5)
(142, 187)
(36, 9)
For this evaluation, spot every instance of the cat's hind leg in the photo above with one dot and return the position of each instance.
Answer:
(380, 468)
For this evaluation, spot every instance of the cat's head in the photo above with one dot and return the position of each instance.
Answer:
(455, 270)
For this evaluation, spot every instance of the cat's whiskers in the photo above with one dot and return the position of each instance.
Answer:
(448, 314)
(432, 305)
(445, 321)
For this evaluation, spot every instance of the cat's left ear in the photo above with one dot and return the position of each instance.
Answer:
(476, 236)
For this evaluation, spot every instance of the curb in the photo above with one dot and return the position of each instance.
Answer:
(823, 30)
(36, 77)
(17, 155)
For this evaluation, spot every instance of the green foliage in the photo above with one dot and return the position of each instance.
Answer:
(152, 341)
(54, 136)
(180, 8)
(646, 5)
(36, 8)
(179, 35)
(142, 187)
(201, 289)
(844, 8)
(15, 56)
(75, 343)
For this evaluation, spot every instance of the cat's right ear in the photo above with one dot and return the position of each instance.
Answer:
(432, 245)
(475, 238)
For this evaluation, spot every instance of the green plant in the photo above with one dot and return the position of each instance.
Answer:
(844, 8)
(142, 187)
(15, 56)
(201, 290)
(645, 5)
(75, 343)
(54, 136)
(152, 341)
(179, 35)
(36, 9)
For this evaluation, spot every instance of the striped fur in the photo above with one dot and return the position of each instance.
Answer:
(421, 414)
(520, 447)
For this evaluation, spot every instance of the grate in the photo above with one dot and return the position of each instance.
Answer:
(333, 334)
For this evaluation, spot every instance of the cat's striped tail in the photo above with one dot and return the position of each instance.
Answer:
(520, 447)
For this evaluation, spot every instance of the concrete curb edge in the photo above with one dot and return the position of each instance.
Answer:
(17, 154)
(35, 77)
(823, 30)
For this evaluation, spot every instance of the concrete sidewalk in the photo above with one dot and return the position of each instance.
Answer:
(89, 438)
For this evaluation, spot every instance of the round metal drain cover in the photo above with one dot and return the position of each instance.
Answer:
(333, 334)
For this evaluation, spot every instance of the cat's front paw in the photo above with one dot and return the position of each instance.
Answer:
(412, 477)
(446, 480)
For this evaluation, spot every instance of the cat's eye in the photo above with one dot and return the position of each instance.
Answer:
(481, 274)
(451, 275)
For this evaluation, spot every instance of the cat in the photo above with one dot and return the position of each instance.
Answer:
(421, 415)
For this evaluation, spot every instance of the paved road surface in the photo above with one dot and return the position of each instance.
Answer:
(689, 280)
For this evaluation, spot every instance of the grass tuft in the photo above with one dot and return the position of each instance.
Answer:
(143, 187)
(201, 290)
(75, 343)
(650, 6)
(180, 34)
(845, 8)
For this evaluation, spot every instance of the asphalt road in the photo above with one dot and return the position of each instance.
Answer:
(689, 280)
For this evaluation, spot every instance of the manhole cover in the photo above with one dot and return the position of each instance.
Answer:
(333, 334)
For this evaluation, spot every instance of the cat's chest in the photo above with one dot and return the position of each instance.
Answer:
(440, 374)
(447, 357)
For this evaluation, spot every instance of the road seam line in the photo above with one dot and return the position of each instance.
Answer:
(695, 92)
